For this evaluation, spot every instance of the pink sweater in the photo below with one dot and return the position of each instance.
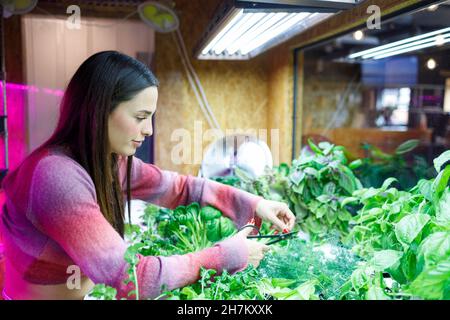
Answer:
(51, 220)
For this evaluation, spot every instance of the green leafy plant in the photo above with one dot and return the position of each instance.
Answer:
(294, 271)
(407, 234)
(103, 292)
(328, 265)
(396, 243)
(182, 230)
(379, 166)
(318, 183)
(313, 186)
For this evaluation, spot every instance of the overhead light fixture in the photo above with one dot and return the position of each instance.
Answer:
(11, 7)
(431, 64)
(358, 35)
(158, 16)
(241, 30)
(426, 40)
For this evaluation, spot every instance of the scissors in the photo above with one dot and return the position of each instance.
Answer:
(276, 237)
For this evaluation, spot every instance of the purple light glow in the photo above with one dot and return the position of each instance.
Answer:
(431, 98)
(16, 127)
(17, 131)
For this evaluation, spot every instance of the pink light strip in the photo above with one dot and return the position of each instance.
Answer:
(32, 88)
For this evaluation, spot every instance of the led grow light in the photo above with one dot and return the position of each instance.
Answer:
(243, 29)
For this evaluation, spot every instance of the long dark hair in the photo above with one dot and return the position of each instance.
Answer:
(103, 81)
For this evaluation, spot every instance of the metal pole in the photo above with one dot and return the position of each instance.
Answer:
(3, 79)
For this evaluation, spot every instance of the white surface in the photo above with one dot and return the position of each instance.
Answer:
(137, 210)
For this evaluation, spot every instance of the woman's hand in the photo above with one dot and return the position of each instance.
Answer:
(277, 213)
(255, 249)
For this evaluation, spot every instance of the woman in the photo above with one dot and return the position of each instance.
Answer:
(65, 203)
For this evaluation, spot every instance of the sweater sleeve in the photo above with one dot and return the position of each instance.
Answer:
(63, 205)
(170, 189)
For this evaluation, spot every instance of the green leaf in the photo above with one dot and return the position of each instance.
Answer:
(193, 209)
(376, 293)
(441, 182)
(189, 293)
(346, 182)
(298, 188)
(314, 148)
(213, 230)
(441, 160)
(433, 282)
(180, 210)
(297, 177)
(131, 252)
(425, 188)
(361, 275)
(326, 147)
(344, 215)
(210, 213)
(103, 292)
(330, 188)
(368, 215)
(314, 226)
(325, 198)
(227, 227)
(434, 248)
(348, 200)
(306, 291)
(386, 259)
(282, 283)
(366, 193)
(443, 210)
(375, 212)
(283, 169)
(408, 265)
(331, 216)
(321, 211)
(315, 187)
(355, 164)
(387, 183)
(407, 146)
(311, 171)
(409, 227)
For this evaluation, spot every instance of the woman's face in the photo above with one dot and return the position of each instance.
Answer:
(131, 122)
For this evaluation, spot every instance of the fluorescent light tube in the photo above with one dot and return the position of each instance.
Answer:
(274, 32)
(422, 46)
(249, 34)
(277, 20)
(273, 21)
(233, 21)
(232, 33)
(397, 43)
(436, 40)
